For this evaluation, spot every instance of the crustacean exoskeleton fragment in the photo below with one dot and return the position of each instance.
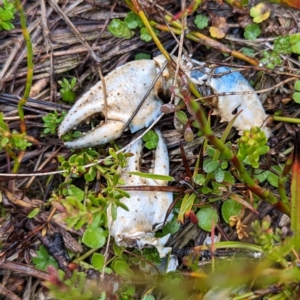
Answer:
(226, 80)
(147, 209)
(126, 86)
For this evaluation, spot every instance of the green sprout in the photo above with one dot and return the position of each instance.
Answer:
(51, 121)
(150, 139)
(252, 144)
(201, 21)
(282, 46)
(44, 259)
(252, 32)
(295, 43)
(296, 94)
(119, 29)
(122, 29)
(7, 13)
(67, 90)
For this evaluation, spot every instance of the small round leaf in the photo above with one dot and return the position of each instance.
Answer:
(297, 85)
(230, 208)
(219, 175)
(207, 216)
(94, 237)
(296, 97)
(98, 261)
(211, 166)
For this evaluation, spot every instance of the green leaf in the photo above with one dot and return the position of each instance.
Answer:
(297, 85)
(282, 45)
(76, 192)
(199, 179)
(260, 175)
(118, 250)
(133, 20)
(271, 60)
(296, 97)
(295, 43)
(142, 56)
(210, 151)
(43, 259)
(121, 268)
(224, 164)
(260, 12)
(153, 176)
(181, 116)
(68, 96)
(98, 261)
(229, 178)
(273, 179)
(3, 125)
(119, 29)
(188, 134)
(171, 227)
(186, 206)
(4, 141)
(219, 175)
(211, 166)
(33, 213)
(5, 25)
(113, 211)
(263, 149)
(94, 237)
(207, 216)
(73, 82)
(248, 51)
(145, 36)
(251, 32)
(91, 174)
(201, 21)
(205, 190)
(151, 139)
(230, 208)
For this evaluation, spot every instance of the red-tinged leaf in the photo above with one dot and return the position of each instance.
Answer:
(295, 193)
(240, 200)
(189, 10)
(289, 3)
(186, 206)
(54, 277)
(193, 217)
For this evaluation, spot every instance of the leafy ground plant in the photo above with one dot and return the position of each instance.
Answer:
(216, 189)
(7, 13)
(124, 29)
(296, 94)
(67, 89)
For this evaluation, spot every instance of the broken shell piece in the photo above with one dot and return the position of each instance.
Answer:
(125, 86)
(253, 113)
(147, 209)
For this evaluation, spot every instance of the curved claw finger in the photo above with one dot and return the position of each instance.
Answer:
(125, 87)
(99, 135)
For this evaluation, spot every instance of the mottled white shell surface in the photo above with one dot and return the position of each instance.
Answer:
(126, 87)
(227, 106)
(147, 209)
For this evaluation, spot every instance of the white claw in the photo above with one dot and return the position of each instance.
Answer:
(126, 87)
(252, 114)
(135, 228)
